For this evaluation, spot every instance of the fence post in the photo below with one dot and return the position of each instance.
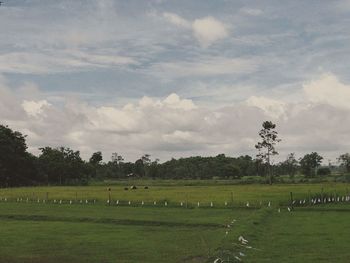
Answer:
(232, 199)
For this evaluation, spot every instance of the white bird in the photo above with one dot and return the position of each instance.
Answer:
(243, 240)
(70, 202)
(241, 254)
(247, 204)
(288, 209)
(238, 258)
(279, 210)
(269, 204)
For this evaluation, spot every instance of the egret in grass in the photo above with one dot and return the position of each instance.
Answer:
(241, 254)
(243, 240)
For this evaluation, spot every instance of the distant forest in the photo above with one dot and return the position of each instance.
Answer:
(64, 166)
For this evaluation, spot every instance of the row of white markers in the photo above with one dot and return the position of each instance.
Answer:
(315, 201)
(295, 202)
(27, 200)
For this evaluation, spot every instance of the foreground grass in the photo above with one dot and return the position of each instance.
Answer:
(305, 235)
(45, 232)
(53, 233)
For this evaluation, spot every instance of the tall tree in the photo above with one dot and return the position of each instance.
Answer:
(266, 147)
(309, 163)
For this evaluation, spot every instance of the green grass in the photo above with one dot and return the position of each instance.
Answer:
(306, 235)
(219, 194)
(51, 233)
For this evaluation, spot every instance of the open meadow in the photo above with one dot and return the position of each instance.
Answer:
(35, 230)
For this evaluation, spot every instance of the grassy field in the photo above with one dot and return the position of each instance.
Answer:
(46, 232)
(218, 194)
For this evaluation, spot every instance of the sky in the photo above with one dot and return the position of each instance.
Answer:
(176, 78)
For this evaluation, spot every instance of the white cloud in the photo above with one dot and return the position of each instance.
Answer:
(174, 127)
(273, 108)
(35, 108)
(206, 30)
(328, 89)
(209, 30)
(177, 20)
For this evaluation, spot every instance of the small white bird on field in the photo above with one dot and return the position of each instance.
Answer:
(269, 204)
(243, 240)
(238, 258)
(288, 209)
(241, 254)
(247, 204)
(279, 210)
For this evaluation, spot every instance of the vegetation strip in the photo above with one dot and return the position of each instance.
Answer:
(108, 221)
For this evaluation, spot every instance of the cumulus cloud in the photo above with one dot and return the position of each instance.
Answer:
(328, 89)
(273, 108)
(209, 30)
(34, 108)
(206, 30)
(173, 126)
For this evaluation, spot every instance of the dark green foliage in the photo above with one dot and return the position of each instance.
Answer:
(344, 161)
(62, 166)
(309, 164)
(96, 158)
(17, 166)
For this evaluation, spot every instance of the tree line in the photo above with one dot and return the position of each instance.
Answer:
(64, 166)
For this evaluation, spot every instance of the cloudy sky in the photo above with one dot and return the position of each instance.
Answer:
(176, 78)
